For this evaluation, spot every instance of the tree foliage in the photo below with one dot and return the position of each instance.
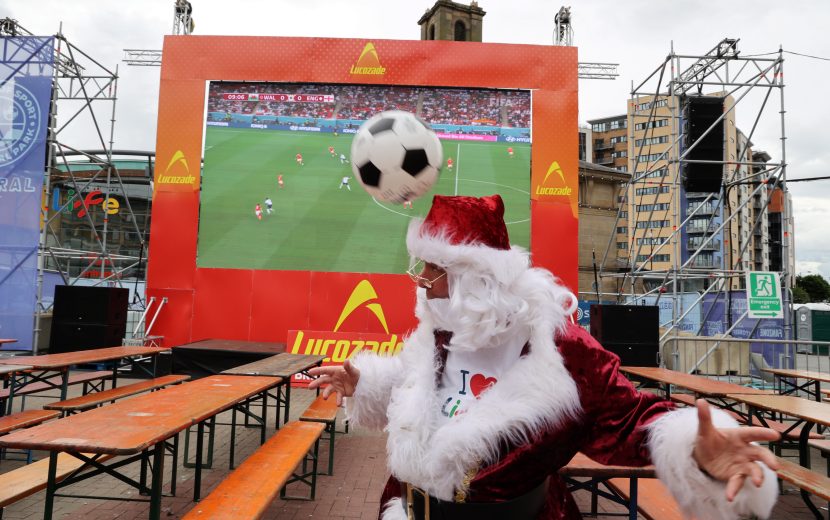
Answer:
(800, 295)
(816, 287)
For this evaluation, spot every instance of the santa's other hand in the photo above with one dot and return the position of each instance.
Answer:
(728, 454)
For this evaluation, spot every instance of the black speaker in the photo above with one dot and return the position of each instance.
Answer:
(699, 113)
(629, 331)
(76, 303)
(70, 337)
(88, 317)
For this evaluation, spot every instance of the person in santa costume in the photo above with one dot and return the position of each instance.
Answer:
(496, 390)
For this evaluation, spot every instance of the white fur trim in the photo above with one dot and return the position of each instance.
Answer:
(378, 375)
(671, 441)
(504, 264)
(393, 510)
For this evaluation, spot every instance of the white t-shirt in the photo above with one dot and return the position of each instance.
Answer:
(345, 180)
(468, 374)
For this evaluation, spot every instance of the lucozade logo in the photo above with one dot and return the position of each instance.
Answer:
(545, 189)
(339, 346)
(177, 159)
(368, 62)
(361, 295)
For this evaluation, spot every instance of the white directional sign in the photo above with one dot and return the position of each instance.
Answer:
(763, 295)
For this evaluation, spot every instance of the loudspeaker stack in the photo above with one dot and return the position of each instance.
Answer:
(88, 317)
(699, 113)
(629, 331)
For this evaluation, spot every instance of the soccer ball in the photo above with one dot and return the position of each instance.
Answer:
(396, 156)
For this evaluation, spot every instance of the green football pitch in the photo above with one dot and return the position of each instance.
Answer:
(318, 226)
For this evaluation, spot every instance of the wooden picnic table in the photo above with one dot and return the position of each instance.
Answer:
(582, 466)
(43, 367)
(10, 369)
(701, 386)
(138, 428)
(808, 413)
(282, 365)
(785, 381)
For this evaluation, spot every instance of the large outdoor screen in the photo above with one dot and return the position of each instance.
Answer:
(315, 222)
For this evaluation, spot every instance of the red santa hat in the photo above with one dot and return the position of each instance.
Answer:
(466, 232)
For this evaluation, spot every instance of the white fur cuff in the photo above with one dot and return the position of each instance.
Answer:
(671, 441)
(394, 510)
(378, 375)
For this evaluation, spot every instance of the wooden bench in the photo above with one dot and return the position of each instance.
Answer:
(249, 489)
(325, 411)
(27, 480)
(85, 402)
(88, 379)
(807, 480)
(24, 419)
(654, 501)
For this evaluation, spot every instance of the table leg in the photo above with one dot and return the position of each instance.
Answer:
(287, 400)
(197, 491)
(233, 436)
(818, 390)
(632, 504)
(114, 374)
(158, 477)
(51, 486)
(803, 447)
(264, 416)
(64, 383)
(12, 379)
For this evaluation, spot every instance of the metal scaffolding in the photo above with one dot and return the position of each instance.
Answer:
(80, 86)
(750, 82)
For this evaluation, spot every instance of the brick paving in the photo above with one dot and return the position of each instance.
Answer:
(353, 492)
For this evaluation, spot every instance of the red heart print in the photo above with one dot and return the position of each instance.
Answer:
(479, 384)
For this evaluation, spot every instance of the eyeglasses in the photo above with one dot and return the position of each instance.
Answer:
(415, 271)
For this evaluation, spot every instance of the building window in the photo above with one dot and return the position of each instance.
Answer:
(650, 224)
(662, 139)
(460, 31)
(660, 172)
(622, 168)
(654, 241)
(653, 207)
(599, 127)
(619, 123)
(431, 35)
(617, 154)
(657, 123)
(622, 229)
(654, 190)
(622, 245)
(651, 157)
(655, 258)
(618, 139)
(647, 106)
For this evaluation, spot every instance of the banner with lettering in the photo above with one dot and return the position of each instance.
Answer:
(338, 346)
(25, 94)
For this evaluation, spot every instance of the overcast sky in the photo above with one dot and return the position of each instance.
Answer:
(637, 34)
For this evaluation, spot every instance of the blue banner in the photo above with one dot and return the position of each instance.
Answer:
(25, 94)
(716, 311)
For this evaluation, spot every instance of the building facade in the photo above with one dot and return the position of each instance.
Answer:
(609, 140)
(599, 203)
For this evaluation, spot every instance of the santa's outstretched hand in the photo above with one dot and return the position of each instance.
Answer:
(728, 454)
(341, 380)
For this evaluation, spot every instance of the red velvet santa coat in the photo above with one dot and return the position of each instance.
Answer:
(555, 401)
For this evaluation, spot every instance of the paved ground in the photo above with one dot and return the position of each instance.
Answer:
(353, 491)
